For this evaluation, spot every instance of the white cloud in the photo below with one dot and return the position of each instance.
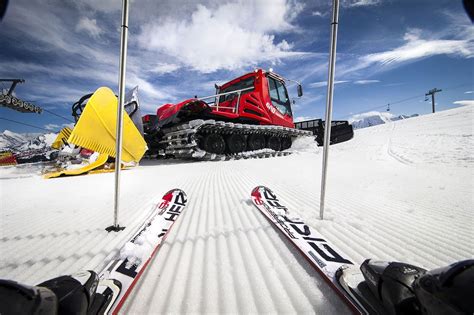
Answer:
(59, 34)
(303, 118)
(88, 63)
(417, 47)
(99, 72)
(55, 127)
(325, 83)
(90, 26)
(163, 68)
(359, 3)
(52, 127)
(231, 36)
(96, 76)
(152, 91)
(318, 13)
(70, 125)
(24, 18)
(464, 102)
(366, 81)
(468, 92)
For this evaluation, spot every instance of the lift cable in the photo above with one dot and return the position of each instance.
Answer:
(406, 100)
(65, 118)
(25, 124)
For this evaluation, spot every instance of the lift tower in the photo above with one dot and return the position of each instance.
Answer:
(432, 92)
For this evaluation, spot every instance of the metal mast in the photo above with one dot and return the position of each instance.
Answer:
(120, 109)
(432, 92)
(329, 99)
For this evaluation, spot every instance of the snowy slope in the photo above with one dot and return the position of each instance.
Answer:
(16, 142)
(403, 191)
(375, 118)
(10, 139)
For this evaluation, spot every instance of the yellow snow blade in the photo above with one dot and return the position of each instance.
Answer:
(96, 127)
(107, 170)
(61, 139)
(101, 160)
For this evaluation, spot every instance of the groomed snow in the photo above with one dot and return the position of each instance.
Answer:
(399, 191)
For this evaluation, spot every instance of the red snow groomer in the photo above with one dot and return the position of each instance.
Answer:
(249, 116)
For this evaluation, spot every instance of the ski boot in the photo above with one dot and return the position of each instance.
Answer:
(391, 284)
(406, 289)
(448, 290)
(80, 293)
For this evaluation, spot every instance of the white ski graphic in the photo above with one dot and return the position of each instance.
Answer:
(128, 268)
(322, 255)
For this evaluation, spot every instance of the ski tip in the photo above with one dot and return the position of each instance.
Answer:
(260, 188)
(256, 189)
(256, 192)
(169, 195)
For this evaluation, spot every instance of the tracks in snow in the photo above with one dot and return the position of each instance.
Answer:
(224, 257)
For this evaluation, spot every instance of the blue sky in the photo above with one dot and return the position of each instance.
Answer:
(388, 51)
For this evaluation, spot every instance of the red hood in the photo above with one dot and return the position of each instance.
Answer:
(168, 110)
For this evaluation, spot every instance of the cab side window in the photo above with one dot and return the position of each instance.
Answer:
(282, 92)
(273, 90)
(279, 96)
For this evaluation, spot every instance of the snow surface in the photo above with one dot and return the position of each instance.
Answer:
(398, 191)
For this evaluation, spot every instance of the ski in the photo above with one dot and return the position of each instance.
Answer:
(125, 270)
(323, 256)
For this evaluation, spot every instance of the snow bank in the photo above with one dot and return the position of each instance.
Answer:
(49, 138)
(140, 250)
(305, 144)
